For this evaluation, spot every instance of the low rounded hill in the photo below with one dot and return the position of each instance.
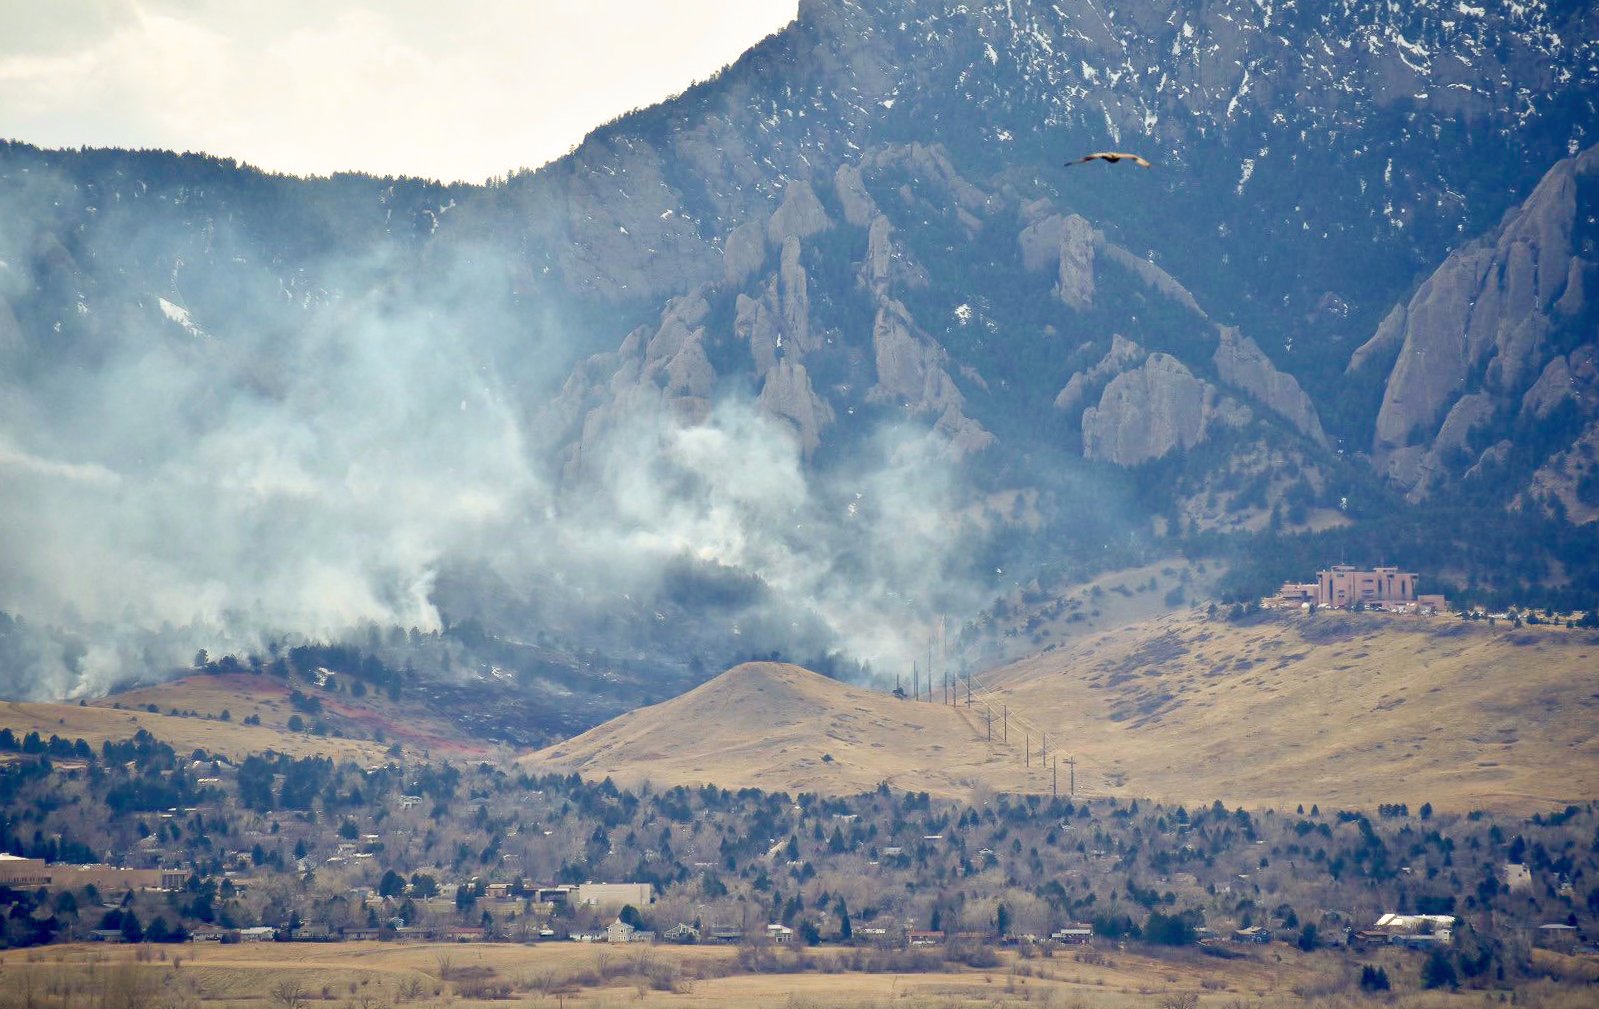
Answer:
(780, 727)
(1344, 710)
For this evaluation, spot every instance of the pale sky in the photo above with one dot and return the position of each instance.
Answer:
(457, 90)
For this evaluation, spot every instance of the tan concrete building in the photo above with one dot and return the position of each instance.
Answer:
(1342, 586)
(32, 873)
(613, 895)
(23, 873)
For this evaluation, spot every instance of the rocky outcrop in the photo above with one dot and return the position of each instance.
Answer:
(1075, 283)
(1243, 365)
(778, 322)
(1149, 411)
(1070, 243)
(654, 370)
(1390, 336)
(1488, 310)
(1424, 468)
(910, 366)
(859, 207)
(800, 215)
(1567, 378)
(743, 253)
(1571, 479)
(758, 327)
(787, 395)
(1150, 274)
(1122, 355)
(793, 295)
(887, 264)
(930, 162)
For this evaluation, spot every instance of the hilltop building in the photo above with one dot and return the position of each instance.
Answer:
(1342, 586)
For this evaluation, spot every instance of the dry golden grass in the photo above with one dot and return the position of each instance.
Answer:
(373, 975)
(1338, 709)
(1332, 708)
(242, 695)
(770, 725)
(231, 739)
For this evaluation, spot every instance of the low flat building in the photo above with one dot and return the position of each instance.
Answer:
(613, 895)
(1074, 934)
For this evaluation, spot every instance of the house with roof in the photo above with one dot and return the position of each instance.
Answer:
(621, 931)
(1417, 931)
(1074, 935)
(682, 934)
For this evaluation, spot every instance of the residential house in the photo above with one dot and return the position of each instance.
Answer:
(779, 933)
(619, 931)
(1254, 933)
(1417, 931)
(1075, 935)
(1557, 936)
(681, 933)
(924, 938)
(211, 933)
(257, 933)
(464, 933)
(725, 935)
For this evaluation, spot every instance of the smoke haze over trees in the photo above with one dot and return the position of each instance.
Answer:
(803, 359)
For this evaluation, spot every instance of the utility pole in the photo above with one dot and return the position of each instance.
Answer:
(1043, 753)
(1071, 762)
(1054, 779)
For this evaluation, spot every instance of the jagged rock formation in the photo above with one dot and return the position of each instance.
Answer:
(1149, 411)
(800, 216)
(859, 207)
(1243, 365)
(768, 234)
(1123, 354)
(1480, 339)
(786, 393)
(1070, 243)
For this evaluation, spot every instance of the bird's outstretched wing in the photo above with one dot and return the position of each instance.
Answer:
(1110, 157)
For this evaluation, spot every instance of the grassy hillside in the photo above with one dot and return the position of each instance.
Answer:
(1347, 710)
(772, 726)
(366, 727)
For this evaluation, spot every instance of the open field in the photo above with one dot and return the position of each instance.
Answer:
(369, 975)
(1330, 708)
(242, 695)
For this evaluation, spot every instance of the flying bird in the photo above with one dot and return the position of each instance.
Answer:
(1108, 156)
